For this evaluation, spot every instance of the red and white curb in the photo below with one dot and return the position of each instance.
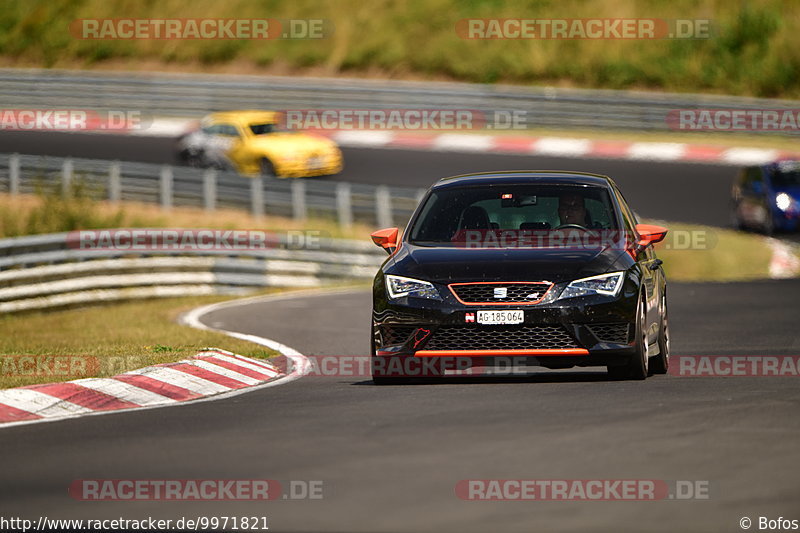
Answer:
(211, 372)
(784, 263)
(211, 375)
(520, 145)
(561, 147)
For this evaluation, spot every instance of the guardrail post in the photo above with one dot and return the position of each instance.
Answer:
(114, 182)
(383, 206)
(257, 196)
(344, 207)
(299, 211)
(210, 189)
(13, 174)
(166, 187)
(66, 177)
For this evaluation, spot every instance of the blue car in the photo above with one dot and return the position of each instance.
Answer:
(766, 198)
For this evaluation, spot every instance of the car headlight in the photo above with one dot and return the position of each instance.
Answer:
(605, 284)
(783, 201)
(400, 287)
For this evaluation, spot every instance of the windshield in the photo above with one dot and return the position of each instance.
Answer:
(786, 179)
(264, 129)
(448, 213)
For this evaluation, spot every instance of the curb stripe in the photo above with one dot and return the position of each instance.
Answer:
(213, 377)
(520, 144)
(123, 391)
(196, 385)
(159, 387)
(218, 369)
(236, 368)
(12, 414)
(85, 397)
(41, 404)
(253, 364)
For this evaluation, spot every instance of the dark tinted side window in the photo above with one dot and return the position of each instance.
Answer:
(628, 218)
(752, 175)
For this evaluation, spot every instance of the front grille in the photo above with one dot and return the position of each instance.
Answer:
(500, 293)
(614, 333)
(392, 335)
(501, 338)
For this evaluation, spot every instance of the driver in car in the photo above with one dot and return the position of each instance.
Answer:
(572, 210)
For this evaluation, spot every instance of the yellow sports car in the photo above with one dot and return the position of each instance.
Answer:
(253, 143)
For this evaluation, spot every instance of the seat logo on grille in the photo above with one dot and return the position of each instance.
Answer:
(500, 292)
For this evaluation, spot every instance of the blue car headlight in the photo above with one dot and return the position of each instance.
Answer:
(783, 201)
(604, 284)
(399, 287)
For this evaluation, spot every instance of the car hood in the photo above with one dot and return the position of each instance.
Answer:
(292, 142)
(791, 190)
(448, 265)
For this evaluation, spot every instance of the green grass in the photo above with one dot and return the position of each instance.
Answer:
(106, 340)
(49, 211)
(704, 253)
(755, 48)
(722, 254)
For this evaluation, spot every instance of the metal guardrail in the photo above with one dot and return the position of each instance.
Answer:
(45, 271)
(210, 189)
(190, 95)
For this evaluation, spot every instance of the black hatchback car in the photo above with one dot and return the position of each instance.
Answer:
(527, 267)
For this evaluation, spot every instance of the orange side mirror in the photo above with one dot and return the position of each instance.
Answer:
(386, 239)
(650, 234)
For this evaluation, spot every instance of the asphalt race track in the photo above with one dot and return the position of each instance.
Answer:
(389, 457)
(684, 192)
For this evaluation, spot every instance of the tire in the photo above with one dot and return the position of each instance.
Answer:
(736, 222)
(268, 168)
(659, 364)
(769, 227)
(638, 366)
(194, 160)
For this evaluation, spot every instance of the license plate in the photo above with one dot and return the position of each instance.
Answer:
(501, 317)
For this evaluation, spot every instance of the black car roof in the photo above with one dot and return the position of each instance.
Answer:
(517, 177)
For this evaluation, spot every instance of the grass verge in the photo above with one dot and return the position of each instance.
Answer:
(690, 253)
(697, 253)
(106, 340)
(48, 212)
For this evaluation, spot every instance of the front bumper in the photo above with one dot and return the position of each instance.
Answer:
(316, 165)
(584, 331)
(788, 221)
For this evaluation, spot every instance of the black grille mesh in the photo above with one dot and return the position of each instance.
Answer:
(392, 335)
(485, 292)
(615, 333)
(500, 338)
